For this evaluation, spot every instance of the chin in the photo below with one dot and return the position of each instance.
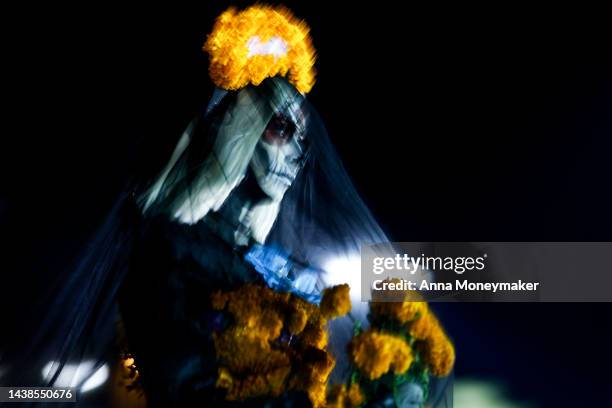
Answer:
(275, 187)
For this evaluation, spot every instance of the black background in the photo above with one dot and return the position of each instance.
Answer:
(471, 123)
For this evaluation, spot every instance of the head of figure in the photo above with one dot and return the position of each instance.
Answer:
(280, 152)
(261, 128)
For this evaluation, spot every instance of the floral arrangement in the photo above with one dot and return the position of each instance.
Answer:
(248, 46)
(273, 343)
(404, 344)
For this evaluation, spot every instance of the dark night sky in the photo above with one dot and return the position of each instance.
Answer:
(456, 123)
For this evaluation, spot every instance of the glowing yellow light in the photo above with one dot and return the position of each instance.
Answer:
(128, 362)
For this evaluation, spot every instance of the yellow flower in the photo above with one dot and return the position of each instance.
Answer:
(242, 350)
(316, 393)
(248, 46)
(401, 306)
(255, 361)
(341, 397)
(224, 379)
(256, 385)
(311, 378)
(269, 325)
(312, 365)
(434, 345)
(311, 371)
(336, 395)
(402, 312)
(314, 335)
(355, 396)
(319, 363)
(298, 312)
(297, 321)
(335, 301)
(438, 352)
(423, 327)
(374, 353)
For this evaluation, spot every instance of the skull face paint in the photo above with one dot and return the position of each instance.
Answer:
(279, 154)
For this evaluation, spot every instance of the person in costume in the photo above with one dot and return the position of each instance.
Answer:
(252, 193)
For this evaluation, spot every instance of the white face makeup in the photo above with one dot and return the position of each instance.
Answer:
(279, 155)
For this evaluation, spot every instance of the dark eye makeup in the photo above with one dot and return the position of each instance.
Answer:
(280, 130)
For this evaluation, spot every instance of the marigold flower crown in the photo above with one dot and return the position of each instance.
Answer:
(248, 46)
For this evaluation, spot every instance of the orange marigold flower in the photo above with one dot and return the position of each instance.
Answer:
(255, 361)
(438, 352)
(336, 395)
(402, 312)
(335, 301)
(341, 397)
(269, 325)
(224, 378)
(271, 383)
(355, 396)
(319, 363)
(241, 350)
(316, 393)
(423, 327)
(250, 45)
(311, 370)
(298, 317)
(375, 353)
(314, 335)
